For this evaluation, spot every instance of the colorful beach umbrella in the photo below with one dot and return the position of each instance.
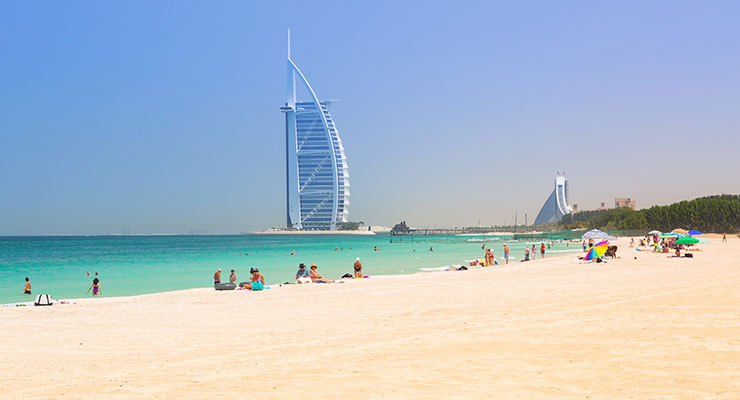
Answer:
(597, 251)
(680, 231)
(694, 232)
(655, 233)
(670, 235)
(687, 240)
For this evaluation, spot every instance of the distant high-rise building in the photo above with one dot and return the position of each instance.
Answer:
(316, 167)
(556, 205)
(620, 202)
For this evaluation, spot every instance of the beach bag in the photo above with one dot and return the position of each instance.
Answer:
(43, 300)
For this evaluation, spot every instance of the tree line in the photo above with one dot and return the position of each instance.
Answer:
(719, 214)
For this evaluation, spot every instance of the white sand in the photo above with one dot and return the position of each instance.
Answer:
(648, 328)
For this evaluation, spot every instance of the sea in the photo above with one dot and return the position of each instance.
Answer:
(64, 266)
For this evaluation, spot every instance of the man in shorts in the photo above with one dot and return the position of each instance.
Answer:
(358, 268)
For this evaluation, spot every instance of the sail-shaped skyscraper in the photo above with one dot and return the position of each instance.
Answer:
(316, 167)
(556, 205)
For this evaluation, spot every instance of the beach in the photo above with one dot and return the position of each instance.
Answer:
(654, 327)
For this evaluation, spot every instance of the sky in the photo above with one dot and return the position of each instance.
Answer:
(163, 117)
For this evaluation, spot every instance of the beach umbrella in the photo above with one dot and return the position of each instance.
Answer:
(595, 234)
(670, 235)
(702, 240)
(694, 232)
(597, 251)
(655, 233)
(687, 240)
(680, 231)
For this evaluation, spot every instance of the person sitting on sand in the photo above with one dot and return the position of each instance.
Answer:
(358, 268)
(257, 281)
(526, 254)
(302, 275)
(232, 277)
(217, 277)
(27, 288)
(95, 287)
(316, 277)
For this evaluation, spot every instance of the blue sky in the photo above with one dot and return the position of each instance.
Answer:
(163, 116)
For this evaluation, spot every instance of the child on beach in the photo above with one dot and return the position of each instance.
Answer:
(95, 287)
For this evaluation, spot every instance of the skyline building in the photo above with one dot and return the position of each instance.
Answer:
(556, 205)
(317, 176)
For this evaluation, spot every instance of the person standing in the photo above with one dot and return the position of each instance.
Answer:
(724, 237)
(534, 252)
(95, 287)
(487, 258)
(358, 268)
(506, 253)
(217, 277)
(542, 250)
(27, 288)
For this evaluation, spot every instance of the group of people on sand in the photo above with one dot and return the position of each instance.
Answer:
(310, 276)
(256, 280)
(303, 275)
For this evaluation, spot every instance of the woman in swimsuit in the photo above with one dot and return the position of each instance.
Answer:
(257, 280)
(95, 287)
(316, 277)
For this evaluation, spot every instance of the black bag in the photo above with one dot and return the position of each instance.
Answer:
(43, 300)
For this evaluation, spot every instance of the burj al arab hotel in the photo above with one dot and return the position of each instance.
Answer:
(316, 167)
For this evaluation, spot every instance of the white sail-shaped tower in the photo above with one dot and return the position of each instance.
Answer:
(316, 166)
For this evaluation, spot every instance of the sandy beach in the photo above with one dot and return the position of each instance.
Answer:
(655, 327)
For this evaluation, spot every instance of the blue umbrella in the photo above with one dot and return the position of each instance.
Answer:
(694, 232)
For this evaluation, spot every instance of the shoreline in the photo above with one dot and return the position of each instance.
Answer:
(273, 286)
(316, 233)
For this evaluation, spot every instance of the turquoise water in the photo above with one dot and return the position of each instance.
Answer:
(130, 265)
